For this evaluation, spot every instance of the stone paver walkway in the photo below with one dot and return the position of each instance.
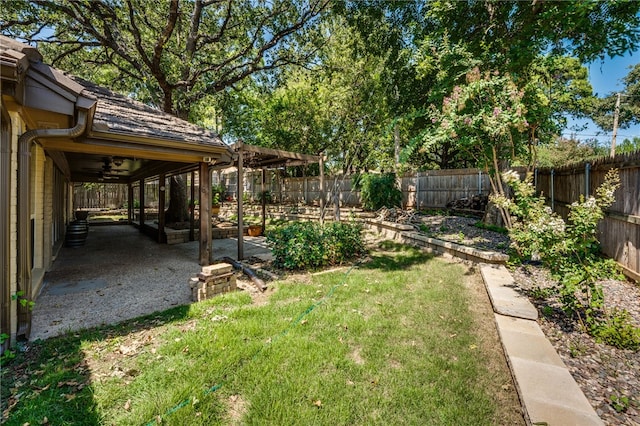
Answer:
(549, 394)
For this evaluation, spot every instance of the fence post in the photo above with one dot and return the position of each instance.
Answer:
(479, 182)
(535, 180)
(417, 190)
(553, 204)
(587, 170)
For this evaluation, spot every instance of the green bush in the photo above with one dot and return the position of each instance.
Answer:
(377, 191)
(617, 330)
(304, 245)
(571, 251)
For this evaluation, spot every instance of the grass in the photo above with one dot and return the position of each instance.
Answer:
(392, 341)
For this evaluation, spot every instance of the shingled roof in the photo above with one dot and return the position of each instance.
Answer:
(119, 114)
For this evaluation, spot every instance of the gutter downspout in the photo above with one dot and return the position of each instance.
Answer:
(24, 209)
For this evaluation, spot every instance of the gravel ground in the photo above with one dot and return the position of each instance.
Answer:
(603, 372)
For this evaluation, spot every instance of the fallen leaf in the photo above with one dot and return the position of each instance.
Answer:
(453, 335)
(318, 403)
(127, 405)
(472, 347)
(303, 322)
(44, 421)
(70, 397)
(185, 349)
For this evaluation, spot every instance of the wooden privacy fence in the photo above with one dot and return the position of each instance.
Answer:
(619, 232)
(424, 190)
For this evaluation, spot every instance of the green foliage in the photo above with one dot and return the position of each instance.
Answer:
(217, 194)
(8, 354)
(378, 190)
(174, 55)
(23, 301)
(304, 245)
(571, 251)
(620, 403)
(266, 195)
(489, 227)
(617, 330)
(567, 151)
(629, 112)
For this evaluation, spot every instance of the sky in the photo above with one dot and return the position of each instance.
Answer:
(606, 78)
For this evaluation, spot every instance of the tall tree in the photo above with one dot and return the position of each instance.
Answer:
(629, 111)
(168, 53)
(510, 34)
(336, 107)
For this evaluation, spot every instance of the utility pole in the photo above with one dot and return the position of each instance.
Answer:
(616, 113)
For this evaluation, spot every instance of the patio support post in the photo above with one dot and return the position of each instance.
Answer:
(322, 195)
(161, 201)
(304, 183)
(205, 214)
(141, 214)
(192, 209)
(264, 201)
(130, 204)
(240, 206)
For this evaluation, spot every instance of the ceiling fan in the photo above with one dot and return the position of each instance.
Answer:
(107, 169)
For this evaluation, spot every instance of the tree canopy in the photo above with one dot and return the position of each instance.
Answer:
(361, 81)
(172, 54)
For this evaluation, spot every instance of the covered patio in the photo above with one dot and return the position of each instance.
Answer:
(120, 274)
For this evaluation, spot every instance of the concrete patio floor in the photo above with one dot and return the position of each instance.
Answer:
(120, 274)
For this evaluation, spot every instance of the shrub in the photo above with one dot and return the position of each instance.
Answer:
(377, 191)
(304, 245)
(571, 251)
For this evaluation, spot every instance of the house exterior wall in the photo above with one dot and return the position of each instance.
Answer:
(46, 183)
(17, 128)
(37, 216)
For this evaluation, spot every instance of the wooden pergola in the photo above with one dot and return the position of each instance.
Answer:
(256, 157)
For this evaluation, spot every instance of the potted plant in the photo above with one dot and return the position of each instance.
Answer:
(255, 226)
(217, 194)
(215, 204)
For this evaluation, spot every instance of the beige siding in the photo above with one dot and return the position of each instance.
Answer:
(17, 129)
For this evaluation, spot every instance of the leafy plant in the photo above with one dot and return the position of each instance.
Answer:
(303, 245)
(617, 330)
(619, 403)
(8, 354)
(266, 195)
(490, 227)
(23, 301)
(377, 191)
(217, 194)
(571, 251)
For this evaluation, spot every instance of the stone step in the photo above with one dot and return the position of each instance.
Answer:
(504, 298)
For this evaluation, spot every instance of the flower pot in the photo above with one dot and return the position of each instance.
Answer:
(255, 230)
(81, 214)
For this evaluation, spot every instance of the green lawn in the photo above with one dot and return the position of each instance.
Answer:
(396, 340)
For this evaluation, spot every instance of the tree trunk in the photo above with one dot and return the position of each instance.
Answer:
(177, 210)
